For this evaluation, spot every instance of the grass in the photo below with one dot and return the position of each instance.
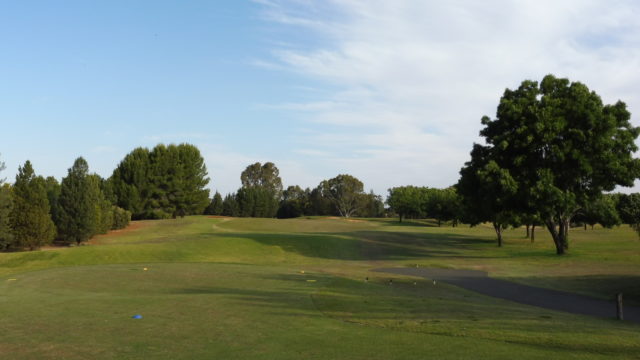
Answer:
(239, 288)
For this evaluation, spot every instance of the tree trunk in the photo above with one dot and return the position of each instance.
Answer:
(559, 233)
(533, 233)
(498, 228)
(439, 222)
(527, 231)
(585, 226)
(400, 216)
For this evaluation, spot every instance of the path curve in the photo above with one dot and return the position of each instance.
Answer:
(480, 282)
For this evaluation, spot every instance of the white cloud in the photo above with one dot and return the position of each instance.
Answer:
(416, 76)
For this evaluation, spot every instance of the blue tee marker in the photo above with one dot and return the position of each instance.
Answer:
(137, 316)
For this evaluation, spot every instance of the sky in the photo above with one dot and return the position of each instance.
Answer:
(391, 92)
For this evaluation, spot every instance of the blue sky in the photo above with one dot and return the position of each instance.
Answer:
(391, 92)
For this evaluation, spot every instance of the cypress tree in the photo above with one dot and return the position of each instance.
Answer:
(30, 216)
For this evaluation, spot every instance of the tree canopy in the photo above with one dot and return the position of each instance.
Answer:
(557, 147)
(30, 215)
(168, 181)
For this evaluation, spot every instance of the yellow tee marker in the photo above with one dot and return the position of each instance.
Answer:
(301, 271)
(145, 269)
(312, 281)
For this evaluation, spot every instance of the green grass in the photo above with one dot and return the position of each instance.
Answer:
(238, 288)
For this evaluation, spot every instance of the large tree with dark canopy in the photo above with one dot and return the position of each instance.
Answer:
(168, 181)
(562, 147)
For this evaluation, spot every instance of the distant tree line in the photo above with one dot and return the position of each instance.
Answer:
(262, 195)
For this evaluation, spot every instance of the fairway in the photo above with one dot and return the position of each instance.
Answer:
(289, 289)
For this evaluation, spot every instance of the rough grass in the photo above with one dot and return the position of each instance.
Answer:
(239, 288)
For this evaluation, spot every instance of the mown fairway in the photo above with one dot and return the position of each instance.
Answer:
(292, 289)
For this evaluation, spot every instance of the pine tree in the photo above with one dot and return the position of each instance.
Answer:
(6, 203)
(78, 210)
(215, 206)
(30, 217)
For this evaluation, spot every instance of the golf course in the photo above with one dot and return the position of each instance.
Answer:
(209, 287)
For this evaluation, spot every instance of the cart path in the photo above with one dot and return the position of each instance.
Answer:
(480, 282)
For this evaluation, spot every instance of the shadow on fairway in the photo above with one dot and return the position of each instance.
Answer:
(370, 245)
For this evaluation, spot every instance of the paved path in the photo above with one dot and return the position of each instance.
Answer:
(479, 281)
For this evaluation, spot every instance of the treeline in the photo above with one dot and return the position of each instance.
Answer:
(422, 202)
(165, 182)
(35, 211)
(262, 195)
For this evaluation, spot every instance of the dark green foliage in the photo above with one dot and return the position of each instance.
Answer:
(345, 192)
(487, 192)
(629, 210)
(230, 206)
(372, 205)
(130, 183)
(406, 201)
(53, 194)
(295, 202)
(600, 211)
(6, 204)
(261, 190)
(558, 147)
(442, 205)
(215, 206)
(417, 202)
(168, 181)
(30, 216)
(320, 203)
(79, 204)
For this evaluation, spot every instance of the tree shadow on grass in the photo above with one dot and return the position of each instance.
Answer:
(370, 245)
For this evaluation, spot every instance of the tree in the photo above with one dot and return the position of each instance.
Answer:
(345, 191)
(168, 181)
(562, 147)
(294, 203)
(230, 206)
(215, 206)
(372, 205)
(6, 205)
(600, 211)
(486, 192)
(30, 216)
(261, 191)
(406, 201)
(79, 204)
(629, 210)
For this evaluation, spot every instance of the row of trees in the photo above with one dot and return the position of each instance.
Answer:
(34, 211)
(423, 202)
(262, 195)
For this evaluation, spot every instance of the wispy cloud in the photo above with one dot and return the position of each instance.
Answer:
(415, 77)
